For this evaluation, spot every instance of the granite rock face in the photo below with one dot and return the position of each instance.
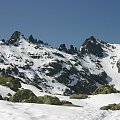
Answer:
(92, 46)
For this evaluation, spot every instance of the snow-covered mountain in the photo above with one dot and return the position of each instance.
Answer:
(62, 70)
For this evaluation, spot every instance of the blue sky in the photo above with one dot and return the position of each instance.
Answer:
(61, 21)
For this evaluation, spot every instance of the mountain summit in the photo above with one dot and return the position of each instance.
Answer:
(15, 37)
(62, 70)
(92, 46)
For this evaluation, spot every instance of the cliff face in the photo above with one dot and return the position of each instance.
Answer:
(92, 46)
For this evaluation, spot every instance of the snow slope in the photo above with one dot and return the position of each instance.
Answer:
(109, 64)
(20, 57)
(94, 101)
(15, 111)
(89, 111)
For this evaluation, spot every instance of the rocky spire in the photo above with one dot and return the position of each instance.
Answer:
(92, 46)
(15, 37)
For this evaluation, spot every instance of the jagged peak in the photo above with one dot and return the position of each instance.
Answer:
(15, 37)
(91, 39)
(92, 46)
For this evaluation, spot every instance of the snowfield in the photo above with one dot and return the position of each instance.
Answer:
(23, 111)
(31, 111)
(89, 110)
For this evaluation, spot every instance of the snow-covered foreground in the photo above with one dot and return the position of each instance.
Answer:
(90, 109)
(30, 111)
(93, 100)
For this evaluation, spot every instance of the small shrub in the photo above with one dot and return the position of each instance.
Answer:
(51, 100)
(24, 95)
(111, 107)
(41, 99)
(67, 103)
(78, 96)
(106, 89)
(46, 99)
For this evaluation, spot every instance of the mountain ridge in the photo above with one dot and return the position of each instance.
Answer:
(62, 70)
